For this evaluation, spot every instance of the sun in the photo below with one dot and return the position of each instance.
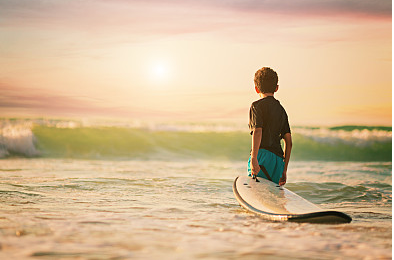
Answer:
(160, 71)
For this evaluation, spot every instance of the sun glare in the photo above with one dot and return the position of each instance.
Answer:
(160, 71)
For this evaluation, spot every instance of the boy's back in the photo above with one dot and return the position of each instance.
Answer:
(269, 114)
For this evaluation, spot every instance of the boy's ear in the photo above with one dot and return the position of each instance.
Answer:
(277, 87)
(257, 90)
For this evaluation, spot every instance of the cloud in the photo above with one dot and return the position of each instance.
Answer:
(131, 21)
(174, 16)
(39, 102)
(312, 7)
(99, 23)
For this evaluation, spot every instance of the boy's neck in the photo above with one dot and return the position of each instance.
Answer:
(264, 95)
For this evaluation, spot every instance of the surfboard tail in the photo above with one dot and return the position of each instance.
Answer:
(323, 217)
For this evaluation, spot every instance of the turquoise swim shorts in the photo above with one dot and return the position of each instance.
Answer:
(272, 163)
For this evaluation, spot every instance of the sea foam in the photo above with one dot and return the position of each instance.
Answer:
(17, 139)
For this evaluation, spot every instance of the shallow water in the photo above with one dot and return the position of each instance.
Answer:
(95, 209)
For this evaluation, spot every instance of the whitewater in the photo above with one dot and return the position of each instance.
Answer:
(81, 190)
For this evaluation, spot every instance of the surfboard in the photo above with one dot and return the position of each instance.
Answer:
(276, 203)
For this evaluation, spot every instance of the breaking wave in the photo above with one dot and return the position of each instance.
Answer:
(17, 139)
(72, 139)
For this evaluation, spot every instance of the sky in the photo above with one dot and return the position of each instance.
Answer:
(194, 60)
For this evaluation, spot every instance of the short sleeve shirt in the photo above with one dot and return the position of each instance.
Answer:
(268, 114)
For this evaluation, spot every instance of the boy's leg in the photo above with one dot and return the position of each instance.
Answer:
(249, 168)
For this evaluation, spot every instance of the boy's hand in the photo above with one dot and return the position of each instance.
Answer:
(282, 181)
(255, 166)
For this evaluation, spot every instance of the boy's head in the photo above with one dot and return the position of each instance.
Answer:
(266, 80)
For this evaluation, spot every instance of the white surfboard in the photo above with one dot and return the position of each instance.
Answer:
(272, 202)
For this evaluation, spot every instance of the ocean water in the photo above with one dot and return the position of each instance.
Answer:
(70, 190)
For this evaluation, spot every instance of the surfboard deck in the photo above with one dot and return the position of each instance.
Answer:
(275, 203)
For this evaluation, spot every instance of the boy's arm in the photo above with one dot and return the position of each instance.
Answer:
(288, 146)
(256, 140)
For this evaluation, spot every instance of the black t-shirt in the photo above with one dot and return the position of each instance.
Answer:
(269, 114)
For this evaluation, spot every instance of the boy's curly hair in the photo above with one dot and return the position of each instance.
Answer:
(266, 80)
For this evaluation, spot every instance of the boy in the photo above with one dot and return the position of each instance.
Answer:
(268, 124)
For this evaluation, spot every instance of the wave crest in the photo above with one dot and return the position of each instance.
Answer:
(17, 139)
(356, 137)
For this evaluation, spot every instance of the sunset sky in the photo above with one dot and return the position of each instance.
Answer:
(194, 60)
